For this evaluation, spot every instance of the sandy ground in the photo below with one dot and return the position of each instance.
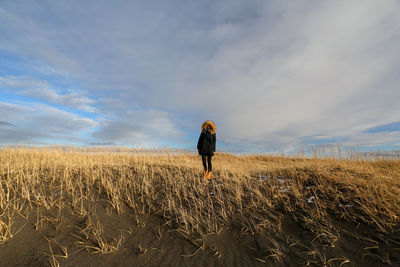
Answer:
(76, 209)
(149, 241)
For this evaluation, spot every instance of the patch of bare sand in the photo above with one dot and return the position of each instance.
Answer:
(151, 241)
(147, 241)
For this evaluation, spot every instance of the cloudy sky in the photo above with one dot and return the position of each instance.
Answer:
(272, 75)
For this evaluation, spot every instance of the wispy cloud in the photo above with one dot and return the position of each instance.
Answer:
(39, 123)
(390, 127)
(4, 123)
(74, 100)
(43, 91)
(139, 127)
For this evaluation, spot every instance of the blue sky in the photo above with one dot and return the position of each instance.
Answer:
(273, 75)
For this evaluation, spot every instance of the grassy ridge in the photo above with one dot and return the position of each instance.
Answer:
(254, 194)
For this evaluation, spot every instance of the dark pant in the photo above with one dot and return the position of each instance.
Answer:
(207, 159)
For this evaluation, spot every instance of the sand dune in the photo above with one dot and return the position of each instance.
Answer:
(69, 207)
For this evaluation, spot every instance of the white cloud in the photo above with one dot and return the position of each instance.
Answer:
(373, 139)
(327, 70)
(42, 90)
(38, 123)
(70, 99)
(7, 124)
(15, 82)
(147, 128)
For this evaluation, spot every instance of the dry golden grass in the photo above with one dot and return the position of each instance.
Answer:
(254, 193)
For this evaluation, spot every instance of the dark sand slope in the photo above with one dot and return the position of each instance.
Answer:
(259, 211)
(149, 241)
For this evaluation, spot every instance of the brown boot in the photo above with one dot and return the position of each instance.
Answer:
(209, 175)
(205, 175)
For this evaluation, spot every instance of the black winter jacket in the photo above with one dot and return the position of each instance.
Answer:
(206, 143)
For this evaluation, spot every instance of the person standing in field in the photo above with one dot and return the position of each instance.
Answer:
(206, 146)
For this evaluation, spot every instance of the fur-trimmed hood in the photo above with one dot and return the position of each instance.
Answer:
(212, 126)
